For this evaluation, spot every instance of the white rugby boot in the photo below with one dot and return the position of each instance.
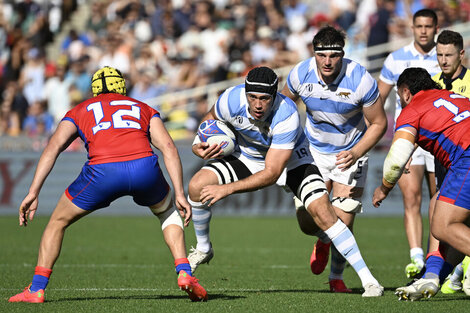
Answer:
(373, 290)
(422, 288)
(196, 257)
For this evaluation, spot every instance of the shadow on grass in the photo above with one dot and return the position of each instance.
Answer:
(144, 297)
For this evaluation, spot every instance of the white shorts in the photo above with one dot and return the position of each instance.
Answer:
(423, 157)
(355, 176)
(300, 156)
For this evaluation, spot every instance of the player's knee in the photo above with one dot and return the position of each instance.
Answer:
(197, 183)
(438, 233)
(439, 229)
(347, 205)
(170, 217)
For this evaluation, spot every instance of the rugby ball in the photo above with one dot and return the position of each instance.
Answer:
(217, 132)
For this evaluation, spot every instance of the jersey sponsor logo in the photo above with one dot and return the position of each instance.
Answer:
(462, 89)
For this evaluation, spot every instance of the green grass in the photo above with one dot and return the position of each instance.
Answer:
(121, 264)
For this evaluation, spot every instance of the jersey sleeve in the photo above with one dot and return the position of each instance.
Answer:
(286, 132)
(229, 102)
(408, 117)
(294, 78)
(369, 89)
(71, 116)
(386, 74)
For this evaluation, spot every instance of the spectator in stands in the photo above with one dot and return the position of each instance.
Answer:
(13, 109)
(146, 86)
(39, 122)
(32, 75)
(56, 90)
(79, 76)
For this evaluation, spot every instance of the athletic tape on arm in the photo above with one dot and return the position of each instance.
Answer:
(400, 152)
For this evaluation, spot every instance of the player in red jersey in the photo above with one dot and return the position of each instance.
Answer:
(438, 121)
(117, 132)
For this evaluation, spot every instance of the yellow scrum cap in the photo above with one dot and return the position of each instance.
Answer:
(108, 80)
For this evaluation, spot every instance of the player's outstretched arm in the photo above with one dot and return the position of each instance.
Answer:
(161, 139)
(400, 152)
(276, 160)
(65, 133)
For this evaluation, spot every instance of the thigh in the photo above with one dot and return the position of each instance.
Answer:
(410, 183)
(67, 212)
(233, 168)
(346, 191)
(148, 186)
(446, 213)
(455, 189)
(354, 176)
(98, 185)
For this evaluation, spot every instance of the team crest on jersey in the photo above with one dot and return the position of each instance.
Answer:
(343, 94)
(309, 87)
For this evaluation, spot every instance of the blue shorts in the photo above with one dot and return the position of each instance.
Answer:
(100, 184)
(455, 188)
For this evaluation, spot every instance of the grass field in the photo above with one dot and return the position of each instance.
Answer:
(120, 264)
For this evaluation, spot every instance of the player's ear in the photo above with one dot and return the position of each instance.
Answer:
(407, 96)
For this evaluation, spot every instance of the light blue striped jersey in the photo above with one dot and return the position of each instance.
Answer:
(335, 121)
(280, 129)
(401, 59)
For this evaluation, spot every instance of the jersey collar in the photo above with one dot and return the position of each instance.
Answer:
(415, 52)
(450, 81)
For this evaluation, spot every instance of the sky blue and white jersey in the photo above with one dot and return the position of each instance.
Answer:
(335, 121)
(401, 59)
(281, 129)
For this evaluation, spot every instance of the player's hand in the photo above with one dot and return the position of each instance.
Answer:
(206, 151)
(184, 208)
(380, 194)
(213, 193)
(345, 159)
(27, 209)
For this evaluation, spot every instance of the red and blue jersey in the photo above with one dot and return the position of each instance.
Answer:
(115, 128)
(442, 119)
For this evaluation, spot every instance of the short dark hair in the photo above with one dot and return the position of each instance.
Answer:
(426, 13)
(329, 36)
(448, 37)
(416, 79)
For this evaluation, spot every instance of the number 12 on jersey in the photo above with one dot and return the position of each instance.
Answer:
(117, 117)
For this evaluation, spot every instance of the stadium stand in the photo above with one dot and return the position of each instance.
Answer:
(177, 55)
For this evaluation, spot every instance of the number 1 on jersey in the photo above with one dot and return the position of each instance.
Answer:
(453, 109)
(98, 114)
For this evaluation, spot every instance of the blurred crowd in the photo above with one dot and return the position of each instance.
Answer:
(163, 46)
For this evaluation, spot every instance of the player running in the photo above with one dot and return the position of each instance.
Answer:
(341, 99)
(117, 131)
(438, 121)
(273, 149)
